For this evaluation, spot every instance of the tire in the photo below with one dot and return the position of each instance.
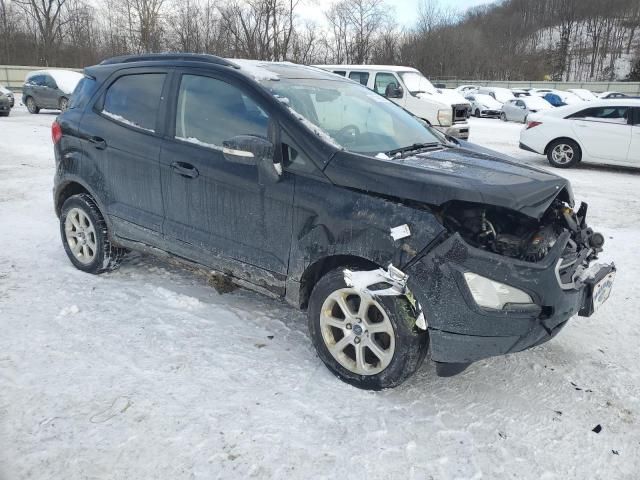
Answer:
(564, 153)
(401, 346)
(63, 104)
(31, 105)
(503, 117)
(85, 237)
(477, 113)
(526, 117)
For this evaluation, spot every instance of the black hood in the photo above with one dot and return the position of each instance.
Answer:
(465, 172)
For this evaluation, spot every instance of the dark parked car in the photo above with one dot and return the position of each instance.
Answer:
(49, 89)
(5, 104)
(397, 240)
(9, 94)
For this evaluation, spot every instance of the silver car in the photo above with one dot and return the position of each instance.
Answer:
(518, 109)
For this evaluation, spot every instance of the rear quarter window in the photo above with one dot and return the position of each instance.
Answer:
(134, 100)
(83, 93)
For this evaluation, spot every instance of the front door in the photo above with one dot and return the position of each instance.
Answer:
(605, 132)
(215, 210)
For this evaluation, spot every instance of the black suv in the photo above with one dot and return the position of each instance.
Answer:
(301, 184)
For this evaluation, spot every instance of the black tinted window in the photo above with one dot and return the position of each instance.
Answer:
(211, 111)
(50, 82)
(362, 77)
(340, 72)
(83, 92)
(134, 100)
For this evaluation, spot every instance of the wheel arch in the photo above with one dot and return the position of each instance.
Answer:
(73, 186)
(315, 271)
(564, 137)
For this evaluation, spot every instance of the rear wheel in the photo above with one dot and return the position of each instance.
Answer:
(63, 104)
(477, 113)
(368, 342)
(85, 237)
(31, 105)
(564, 153)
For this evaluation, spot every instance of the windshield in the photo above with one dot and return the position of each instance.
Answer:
(416, 83)
(353, 116)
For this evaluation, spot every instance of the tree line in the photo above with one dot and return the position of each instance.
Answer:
(507, 40)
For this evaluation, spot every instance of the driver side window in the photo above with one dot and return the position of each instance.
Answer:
(210, 111)
(383, 80)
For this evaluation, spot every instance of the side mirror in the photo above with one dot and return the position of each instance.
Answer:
(393, 91)
(251, 150)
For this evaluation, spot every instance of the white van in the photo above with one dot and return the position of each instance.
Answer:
(446, 110)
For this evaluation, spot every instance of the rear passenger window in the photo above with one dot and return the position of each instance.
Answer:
(340, 72)
(604, 114)
(211, 111)
(134, 100)
(362, 77)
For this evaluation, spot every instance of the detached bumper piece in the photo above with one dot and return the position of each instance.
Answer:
(461, 331)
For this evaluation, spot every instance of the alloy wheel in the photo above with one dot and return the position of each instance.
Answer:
(80, 235)
(562, 153)
(357, 331)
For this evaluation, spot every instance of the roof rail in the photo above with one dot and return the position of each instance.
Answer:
(188, 57)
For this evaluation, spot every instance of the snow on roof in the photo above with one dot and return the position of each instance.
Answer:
(65, 79)
(255, 69)
(390, 68)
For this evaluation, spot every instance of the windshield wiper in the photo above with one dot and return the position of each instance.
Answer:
(413, 148)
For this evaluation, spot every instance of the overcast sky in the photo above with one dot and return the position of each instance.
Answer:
(406, 10)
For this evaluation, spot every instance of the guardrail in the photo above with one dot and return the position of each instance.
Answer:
(12, 76)
(632, 88)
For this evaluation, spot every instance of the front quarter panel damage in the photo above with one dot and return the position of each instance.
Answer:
(330, 221)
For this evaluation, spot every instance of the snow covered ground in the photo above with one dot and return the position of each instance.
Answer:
(147, 372)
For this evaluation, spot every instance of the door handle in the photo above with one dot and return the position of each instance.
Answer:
(98, 142)
(185, 169)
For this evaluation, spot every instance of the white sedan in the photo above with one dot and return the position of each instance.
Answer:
(602, 131)
(483, 105)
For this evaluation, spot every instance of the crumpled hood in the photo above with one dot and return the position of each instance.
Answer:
(466, 173)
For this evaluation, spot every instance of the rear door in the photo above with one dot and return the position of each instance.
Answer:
(216, 212)
(634, 148)
(604, 132)
(49, 93)
(122, 135)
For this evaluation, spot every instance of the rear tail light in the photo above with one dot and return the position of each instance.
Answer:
(533, 124)
(56, 132)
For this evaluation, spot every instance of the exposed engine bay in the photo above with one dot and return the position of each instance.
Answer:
(515, 235)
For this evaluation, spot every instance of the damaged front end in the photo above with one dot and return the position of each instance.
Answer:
(498, 281)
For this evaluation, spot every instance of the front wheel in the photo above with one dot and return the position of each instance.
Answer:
(31, 106)
(368, 342)
(503, 117)
(477, 113)
(564, 153)
(85, 237)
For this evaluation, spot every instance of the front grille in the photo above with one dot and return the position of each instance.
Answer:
(461, 113)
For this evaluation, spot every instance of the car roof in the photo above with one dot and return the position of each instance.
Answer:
(390, 68)
(576, 107)
(255, 69)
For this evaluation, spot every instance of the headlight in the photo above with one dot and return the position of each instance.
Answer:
(445, 118)
(495, 295)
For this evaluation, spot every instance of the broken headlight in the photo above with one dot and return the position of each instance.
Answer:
(495, 295)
